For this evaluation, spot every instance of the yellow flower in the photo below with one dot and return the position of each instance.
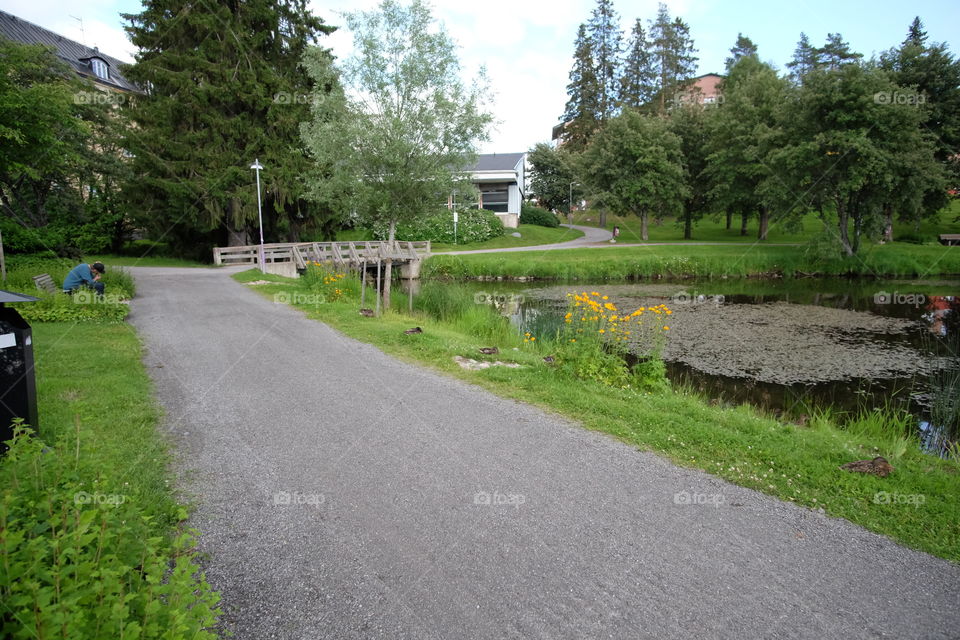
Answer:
(666, 328)
(573, 339)
(605, 298)
(602, 331)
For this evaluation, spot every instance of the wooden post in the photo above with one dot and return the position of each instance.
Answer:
(410, 296)
(363, 282)
(378, 288)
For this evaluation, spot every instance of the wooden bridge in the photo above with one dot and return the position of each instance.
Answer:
(290, 257)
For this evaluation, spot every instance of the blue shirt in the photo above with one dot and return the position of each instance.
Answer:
(78, 276)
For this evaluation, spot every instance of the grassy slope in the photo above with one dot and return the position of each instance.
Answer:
(531, 235)
(793, 463)
(612, 263)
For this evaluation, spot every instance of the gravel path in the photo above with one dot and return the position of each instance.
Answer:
(343, 494)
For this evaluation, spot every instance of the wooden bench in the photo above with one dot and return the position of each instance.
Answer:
(950, 239)
(45, 283)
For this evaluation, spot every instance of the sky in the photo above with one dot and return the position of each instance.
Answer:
(526, 46)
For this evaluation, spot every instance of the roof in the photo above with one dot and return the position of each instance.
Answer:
(73, 53)
(496, 162)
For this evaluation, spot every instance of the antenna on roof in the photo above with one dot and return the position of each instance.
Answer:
(83, 37)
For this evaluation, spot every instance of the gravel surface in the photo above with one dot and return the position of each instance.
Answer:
(344, 494)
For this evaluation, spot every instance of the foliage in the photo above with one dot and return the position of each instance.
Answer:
(638, 82)
(473, 225)
(93, 546)
(673, 57)
(214, 105)
(531, 214)
(553, 179)
(634, 166)
(581, 115)
(330, 284)
(605, 38)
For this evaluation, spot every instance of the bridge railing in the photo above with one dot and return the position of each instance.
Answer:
(345, 253)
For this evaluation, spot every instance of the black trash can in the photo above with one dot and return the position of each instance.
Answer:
(18, 386)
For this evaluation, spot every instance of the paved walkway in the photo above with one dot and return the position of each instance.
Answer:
(342, 494)
(597, 238)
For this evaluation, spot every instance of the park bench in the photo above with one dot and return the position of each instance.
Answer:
(950, 239)
(45, 283)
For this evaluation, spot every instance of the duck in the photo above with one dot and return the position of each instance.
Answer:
(548, 359)
(414, 330)
(367, 313)
(489, 350)
(878, 466)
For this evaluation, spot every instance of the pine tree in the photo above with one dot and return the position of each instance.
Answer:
(637, 84)
(225, 87)
(744, 47)
(806, 58)
(606, 40)
(836, 52)
(673, 55)
(582, 113)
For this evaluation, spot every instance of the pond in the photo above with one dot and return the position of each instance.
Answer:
(788, 346)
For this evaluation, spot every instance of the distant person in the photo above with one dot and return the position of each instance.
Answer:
(85, 276)
(616, 234)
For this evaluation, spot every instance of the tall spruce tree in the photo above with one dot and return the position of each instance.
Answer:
(806, 58)
(674, 58)
(582, 114)
(934, 73)
(606, 41)
(743, 48)
(224, 87)
(638, 81)
(836, 52)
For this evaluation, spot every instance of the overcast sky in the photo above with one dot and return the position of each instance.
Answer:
(527, 45)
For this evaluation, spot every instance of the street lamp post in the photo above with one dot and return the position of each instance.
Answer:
(570, 207)
(256, 166)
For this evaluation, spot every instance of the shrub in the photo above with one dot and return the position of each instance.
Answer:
(474, 225)
(912, 238)
(80, 558)
(531, 214)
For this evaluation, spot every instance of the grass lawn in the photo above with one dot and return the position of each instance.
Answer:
(713, 228)
(530, 235)
(735, 260)
(87, 513)
(797, 464)
(143, 261)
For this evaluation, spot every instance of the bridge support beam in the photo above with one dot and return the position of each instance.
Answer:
(411, 270)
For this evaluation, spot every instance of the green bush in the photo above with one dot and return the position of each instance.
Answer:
(474, 225)
(79, 558)
(531, 214)
(912, 238)
(82, 306)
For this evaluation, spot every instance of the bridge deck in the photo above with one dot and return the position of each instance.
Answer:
(341, 254)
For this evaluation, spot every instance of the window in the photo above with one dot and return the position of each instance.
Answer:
(100, 68)
(495, 197)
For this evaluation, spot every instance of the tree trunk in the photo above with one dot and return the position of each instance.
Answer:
(857, 228)
(729, 219)
(238, 237)
(888, 222)
(603, 218)
(843, 221)
(744, 219)
(3, 262)
(644, 235)
(388, 266)
(764, 222)
(687, 225)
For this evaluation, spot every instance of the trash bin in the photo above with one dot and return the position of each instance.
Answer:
(18, 386)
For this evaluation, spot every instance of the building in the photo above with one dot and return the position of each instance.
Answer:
(501, 180)
(103, 70)
(703, 89)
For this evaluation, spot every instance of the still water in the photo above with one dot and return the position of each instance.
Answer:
(788, 346)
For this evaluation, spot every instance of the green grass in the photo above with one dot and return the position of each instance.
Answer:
(531, 235)
(67, 561)
(143, 261)
(620, 263)
(797, 464)
(713, 228)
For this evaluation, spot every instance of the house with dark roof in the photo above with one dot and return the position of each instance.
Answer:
(501, 179)
(103, 70)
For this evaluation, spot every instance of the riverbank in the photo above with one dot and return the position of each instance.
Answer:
(915, 505)
(673, 261)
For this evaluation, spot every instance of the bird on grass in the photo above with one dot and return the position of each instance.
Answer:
(414, 330)
(548, 359)
(878, 466)
(489, 350)
(367, 313)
